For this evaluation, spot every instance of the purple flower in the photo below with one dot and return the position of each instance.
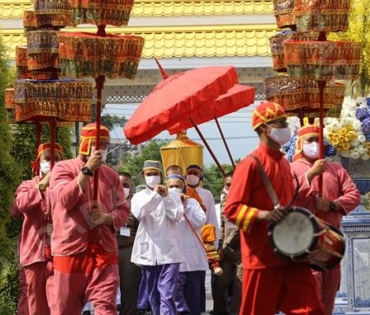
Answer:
(366, 126)
(368, 102)
(362, 113)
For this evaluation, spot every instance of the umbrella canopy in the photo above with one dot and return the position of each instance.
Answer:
(237, 97)
(177, 96)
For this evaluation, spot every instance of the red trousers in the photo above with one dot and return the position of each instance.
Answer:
(289, 289)
(328, 283)
(40, 287)
(88, 276)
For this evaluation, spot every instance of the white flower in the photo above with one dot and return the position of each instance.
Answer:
(357, 125)
(355, 155)
(365, 157)
(361, 138)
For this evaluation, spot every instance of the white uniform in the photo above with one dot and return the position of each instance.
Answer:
(157, 240)
(196, 259)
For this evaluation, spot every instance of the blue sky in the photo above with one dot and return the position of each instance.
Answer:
(236, 127)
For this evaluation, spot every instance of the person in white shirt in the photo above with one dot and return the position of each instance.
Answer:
(192, 270)
(157, 246)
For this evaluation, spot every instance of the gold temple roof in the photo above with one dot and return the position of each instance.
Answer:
(182, 41)
(10, 9)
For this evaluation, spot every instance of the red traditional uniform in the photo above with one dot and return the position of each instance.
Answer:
(270, 283)
(337, 186)
(85, 257)
(34, 251)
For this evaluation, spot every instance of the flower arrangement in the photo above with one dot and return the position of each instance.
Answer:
(349, 134)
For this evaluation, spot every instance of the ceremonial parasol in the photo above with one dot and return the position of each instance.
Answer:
(38, 96)
(322, 60)
(177, 96)
(99, 55)
(237, 97)
(314, 59)
(180, 96)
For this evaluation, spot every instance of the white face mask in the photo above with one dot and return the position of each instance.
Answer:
(126, 192)
(311, 150)
(192, 180)
(45, 167)
(151, 181)
(176, 190)
(280, 135)
(103, 153)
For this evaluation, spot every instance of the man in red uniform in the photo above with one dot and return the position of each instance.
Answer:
(270, 282)
(83, 244)
(339, 196)
(32, 204)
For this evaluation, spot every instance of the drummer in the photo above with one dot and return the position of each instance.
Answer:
(339, 197)
(270, 282)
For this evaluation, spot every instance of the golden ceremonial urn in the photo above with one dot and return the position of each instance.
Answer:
(182, 152)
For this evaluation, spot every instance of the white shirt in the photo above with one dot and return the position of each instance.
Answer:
(195, 256)
(157, 240)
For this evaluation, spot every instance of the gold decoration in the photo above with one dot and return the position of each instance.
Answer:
(89, 55)
(182, 152)
(69, 100)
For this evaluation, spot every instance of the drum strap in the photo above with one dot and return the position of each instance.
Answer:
(267, 183)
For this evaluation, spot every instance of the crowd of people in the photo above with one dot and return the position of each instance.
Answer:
(90, 239)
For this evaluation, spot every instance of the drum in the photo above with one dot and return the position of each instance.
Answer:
(302, 237)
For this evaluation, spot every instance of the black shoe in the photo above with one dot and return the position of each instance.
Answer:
(118, 307)
(86, 313)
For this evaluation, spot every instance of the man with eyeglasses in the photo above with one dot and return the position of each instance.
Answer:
(270, 282)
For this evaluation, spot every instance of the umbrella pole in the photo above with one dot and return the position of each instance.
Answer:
(99, 87)
(208, 147)
(225, 143)
(321, 85)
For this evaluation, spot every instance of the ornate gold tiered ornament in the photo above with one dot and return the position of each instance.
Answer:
(309, 21)
(99, 55)
(314, 60)
(39, 96)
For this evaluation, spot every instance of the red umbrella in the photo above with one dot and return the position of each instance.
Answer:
(237, 97)
(177, 96)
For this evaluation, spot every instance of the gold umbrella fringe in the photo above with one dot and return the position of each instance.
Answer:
(277, 46)
(322, 60)
(33, 21)
(300, 94)
(284, 13)
(62, 99)
(322, 15)
(42, 41)
(83, 55)
(102, 12)
(52, 7)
